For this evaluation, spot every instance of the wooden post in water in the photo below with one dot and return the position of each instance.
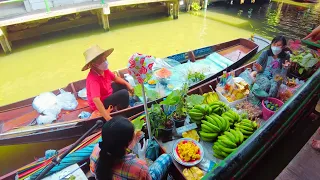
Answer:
(104, 17)
(175, 9)
(5, 43)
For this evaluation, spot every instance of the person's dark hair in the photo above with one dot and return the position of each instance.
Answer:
(284, 44)
(117, 133)
(283, 53)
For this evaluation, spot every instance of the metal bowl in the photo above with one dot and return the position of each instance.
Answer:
(179, 160)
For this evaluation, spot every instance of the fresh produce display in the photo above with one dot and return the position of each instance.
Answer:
(198, 112)
(196, 77)
(234, 88)
(227, 143)
(303, 60)
(193, 173)
(247, 127)
(212, 127)
(219, 107)
(252, 110)
(231, 116)
(191, 134)
(271, 106)
(210, 97)
(188, 151)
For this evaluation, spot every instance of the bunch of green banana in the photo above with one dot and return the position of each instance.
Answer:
(219, 107)
(231, 116)
(212, 126)
(210, 97)
(198, 112)
(247, 127)
(227, 143)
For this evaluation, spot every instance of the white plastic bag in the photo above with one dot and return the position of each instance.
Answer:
(44, 101)
(45, 119)
(66, 100)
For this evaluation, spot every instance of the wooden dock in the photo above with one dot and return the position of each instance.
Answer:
(41, 22)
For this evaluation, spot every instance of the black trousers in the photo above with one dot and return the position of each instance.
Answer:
(119, 97)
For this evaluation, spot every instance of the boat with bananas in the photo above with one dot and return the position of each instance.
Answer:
(233, 142)
(18, 120)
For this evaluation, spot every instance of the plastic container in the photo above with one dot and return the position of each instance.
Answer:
(230, 104)
(267, 113)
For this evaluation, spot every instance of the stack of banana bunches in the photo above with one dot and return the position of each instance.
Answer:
(222, 126)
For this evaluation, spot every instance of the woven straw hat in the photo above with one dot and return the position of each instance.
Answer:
(93, 52)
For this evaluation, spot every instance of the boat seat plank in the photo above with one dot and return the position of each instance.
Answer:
(305, 165)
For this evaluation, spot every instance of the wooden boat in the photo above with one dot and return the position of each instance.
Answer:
(235, 166)
(16, 118)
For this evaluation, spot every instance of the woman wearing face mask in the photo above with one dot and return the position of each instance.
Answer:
(111, 158)
(271, 64)
(104, 89)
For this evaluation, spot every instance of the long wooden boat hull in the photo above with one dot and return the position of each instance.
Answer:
(257, 145)
(15, 118)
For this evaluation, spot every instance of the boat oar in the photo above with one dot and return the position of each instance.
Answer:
(58, 159)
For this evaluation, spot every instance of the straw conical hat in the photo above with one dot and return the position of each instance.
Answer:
(93, 52)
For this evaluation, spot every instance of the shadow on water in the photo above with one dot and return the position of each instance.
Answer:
(83, 31)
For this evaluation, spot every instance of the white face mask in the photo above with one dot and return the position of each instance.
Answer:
(103, 66)
(276, 50)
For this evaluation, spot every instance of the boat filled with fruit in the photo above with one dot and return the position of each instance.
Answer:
(221, 128)
(23, 122)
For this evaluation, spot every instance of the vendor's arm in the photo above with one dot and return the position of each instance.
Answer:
(119, 80)
(99, 105)
(260, 64)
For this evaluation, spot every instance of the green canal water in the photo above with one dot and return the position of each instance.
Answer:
(52, 61)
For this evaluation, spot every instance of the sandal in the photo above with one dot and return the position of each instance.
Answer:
(315, 144)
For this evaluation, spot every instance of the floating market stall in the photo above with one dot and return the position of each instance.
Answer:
(222, 139)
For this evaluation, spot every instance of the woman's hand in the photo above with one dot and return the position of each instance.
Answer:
(108, 112)
(314, 35)
(286, 64)
(258, 67)
(130, 89)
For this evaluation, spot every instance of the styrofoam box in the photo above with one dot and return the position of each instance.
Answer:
(230, 104)
(81, 1)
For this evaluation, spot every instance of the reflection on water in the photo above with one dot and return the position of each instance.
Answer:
(275, 18)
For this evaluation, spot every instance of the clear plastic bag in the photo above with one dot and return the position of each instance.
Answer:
(66, 100)
(246, 75)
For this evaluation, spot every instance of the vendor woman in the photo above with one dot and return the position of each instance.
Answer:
(104, 89)
(271, 67)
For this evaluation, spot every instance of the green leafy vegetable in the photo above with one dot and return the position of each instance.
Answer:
(151, 94)
(138, 122)
(301, 70)
(194, 99)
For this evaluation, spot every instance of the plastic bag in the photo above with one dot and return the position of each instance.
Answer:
(66, 100)
(246, 75)
(44, 101)
(164, 63)
(285, 92)
(45, 119)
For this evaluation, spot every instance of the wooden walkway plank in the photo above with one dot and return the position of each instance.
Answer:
(305, 165)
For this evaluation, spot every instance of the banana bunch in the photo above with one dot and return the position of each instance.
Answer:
(210, 97)
(191, 134)
(198, 112)
(193, 173)
(227, 143)
(247, 127)
(212, 127)
(219, 107)
(231, 116)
